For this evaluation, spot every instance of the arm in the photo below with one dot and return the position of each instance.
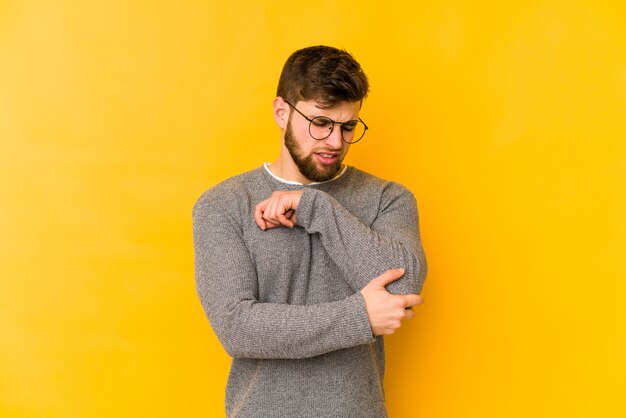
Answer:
(364, 252)
(226, 283)
(361, 251)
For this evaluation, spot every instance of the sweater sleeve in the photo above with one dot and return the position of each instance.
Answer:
(362, 251)
(226, 283)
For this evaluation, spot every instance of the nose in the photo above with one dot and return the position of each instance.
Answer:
(334, 140)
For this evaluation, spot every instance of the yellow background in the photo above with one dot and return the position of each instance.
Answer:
(506, 119)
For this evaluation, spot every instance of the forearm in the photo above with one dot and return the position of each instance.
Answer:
(364, 252)
(249, 329)
(226, 282)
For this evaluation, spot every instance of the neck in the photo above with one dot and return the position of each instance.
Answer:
(285, 168)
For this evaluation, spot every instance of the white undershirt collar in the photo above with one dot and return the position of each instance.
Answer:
(296, 183)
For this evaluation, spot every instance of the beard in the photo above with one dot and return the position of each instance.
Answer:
(307, 165)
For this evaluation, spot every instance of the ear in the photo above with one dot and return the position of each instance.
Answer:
(281, 112)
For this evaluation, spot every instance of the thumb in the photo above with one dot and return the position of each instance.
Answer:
(388, 277)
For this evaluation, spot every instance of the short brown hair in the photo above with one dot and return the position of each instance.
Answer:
(323, 73)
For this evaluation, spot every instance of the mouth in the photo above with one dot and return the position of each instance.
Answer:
(327, 158)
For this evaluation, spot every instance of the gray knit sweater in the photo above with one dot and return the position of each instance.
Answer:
(285, 303)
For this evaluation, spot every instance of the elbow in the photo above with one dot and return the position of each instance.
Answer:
(239, 333)
(413, 280)
(421, 268)
(232, 349)
(231, 342)
(223, 322)
(231, 334)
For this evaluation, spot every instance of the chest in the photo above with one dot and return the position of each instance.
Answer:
(293, 267)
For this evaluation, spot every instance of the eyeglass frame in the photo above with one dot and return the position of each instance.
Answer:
(333, 127)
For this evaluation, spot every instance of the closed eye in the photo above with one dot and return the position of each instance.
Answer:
(322, 122)
(349, 125)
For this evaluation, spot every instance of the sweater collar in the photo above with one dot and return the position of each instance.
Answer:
(296, 183)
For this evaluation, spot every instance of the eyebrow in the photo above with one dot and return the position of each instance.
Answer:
(321, 108)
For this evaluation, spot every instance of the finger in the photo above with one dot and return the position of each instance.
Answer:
(412, 300)
(388, 277)
(291, 215)
(273, 222)
(267, 211)
(271, 225)
(283, 211)
(408, 313)
(273, 211)
(258, 215)
(285, 221)
(277, 211)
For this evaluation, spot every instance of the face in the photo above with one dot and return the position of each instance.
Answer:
(318, 160)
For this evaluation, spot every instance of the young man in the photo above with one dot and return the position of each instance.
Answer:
(303, 264)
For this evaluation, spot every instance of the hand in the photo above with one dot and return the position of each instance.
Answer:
(384, 310)
(278, 210)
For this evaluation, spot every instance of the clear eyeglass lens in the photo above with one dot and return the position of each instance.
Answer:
(321, 127)
(352, 131)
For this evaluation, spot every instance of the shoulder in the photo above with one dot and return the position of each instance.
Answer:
(230, 192)
(361, 181)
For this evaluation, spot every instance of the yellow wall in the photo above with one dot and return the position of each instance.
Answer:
(506, 119)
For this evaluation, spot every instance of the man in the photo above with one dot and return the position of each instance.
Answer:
(303, 264)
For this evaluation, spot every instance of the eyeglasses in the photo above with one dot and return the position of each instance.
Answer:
(320, 127)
